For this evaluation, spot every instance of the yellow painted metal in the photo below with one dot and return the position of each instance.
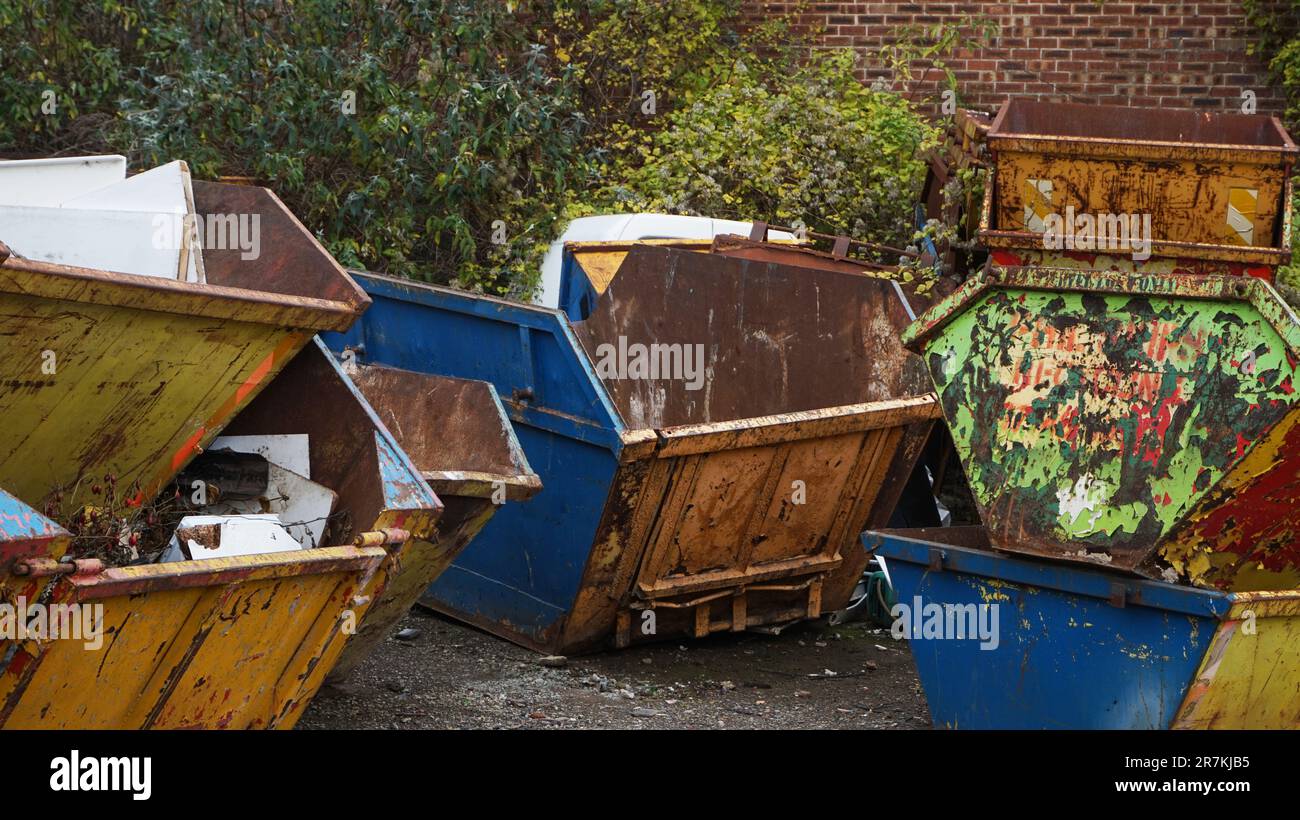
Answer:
(216, 643)
(110, 373)
(1213, 179)
(1251, 673)
(379, 487)
(135, 393)
(233, 642)
(113, 373)
(600, 260)
(1216, 541)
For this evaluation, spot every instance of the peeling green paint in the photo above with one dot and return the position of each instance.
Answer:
(1096, 418)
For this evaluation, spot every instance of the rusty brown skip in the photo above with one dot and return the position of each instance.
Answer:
(1191, 171)
(457, 435)
(807, 381)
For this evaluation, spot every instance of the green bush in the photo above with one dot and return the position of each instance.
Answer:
(1277, 25)
(478, 126)
(809, 144)
(466, 129)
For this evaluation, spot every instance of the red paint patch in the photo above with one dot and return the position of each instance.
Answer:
(1260, 519)
(188, 449)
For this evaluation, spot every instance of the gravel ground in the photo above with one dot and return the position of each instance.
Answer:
(451, 676)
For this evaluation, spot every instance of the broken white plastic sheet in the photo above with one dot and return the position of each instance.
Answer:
(47, 183)
(292, 451)
(224, 536)
(92, 215)
(302, 506)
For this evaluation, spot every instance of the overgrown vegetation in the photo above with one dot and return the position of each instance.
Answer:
(1277, 25)
(449, 140)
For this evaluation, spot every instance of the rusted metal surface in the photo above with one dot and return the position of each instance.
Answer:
(732, 506)
(804, 388)
(218, 643)
(1140, 422)
(841, 246)
(1015, 243)
(456, 433)
(1205, 178)
(956, 174)
(380, 487)
(915, 380)
(600, 260)
(966, 147)
(242, 642)
(29, 543)
(1159, 265)
(112, 373)
(732, 525)
(808, 256)
(776, 339)
(784, 302)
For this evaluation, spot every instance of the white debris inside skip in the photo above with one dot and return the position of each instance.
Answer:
(86, 212)
(228, 536)
(290, 514)
(301, 504)
(292, 452)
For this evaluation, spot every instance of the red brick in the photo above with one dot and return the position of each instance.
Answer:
(1138, 53)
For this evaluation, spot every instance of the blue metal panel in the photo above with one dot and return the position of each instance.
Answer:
(525, 567)
(927, 244)
(523, 570)
(20, 523)
(522, 350)
(577, 296)
(1066, 656)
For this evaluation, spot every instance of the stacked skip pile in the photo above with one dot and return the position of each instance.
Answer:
(1127, 419)
(188, 478)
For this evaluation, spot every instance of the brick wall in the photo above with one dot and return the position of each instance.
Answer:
(1188, 54)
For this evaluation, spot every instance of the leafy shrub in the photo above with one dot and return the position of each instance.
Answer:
(466, 134)
(808, 145)
(1277, 25)
(478, 126)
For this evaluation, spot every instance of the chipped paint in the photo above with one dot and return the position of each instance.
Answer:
(239, 642)
(214, 643)
(146, 370)
(1172, 656)
(663, 497)
(1200, 175)
(437, 423)
(1123, 419)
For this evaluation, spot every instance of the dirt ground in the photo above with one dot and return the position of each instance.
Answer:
(451, 676)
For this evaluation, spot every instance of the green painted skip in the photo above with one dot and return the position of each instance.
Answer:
(1097, 419)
